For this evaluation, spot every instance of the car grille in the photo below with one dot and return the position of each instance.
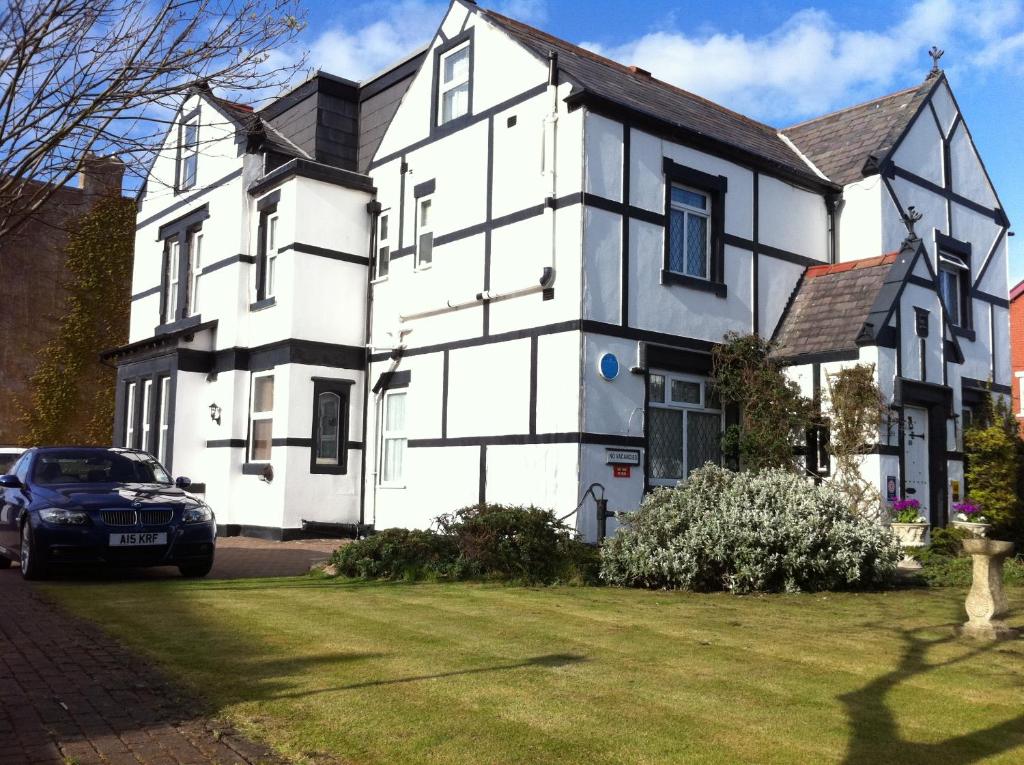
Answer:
(133, 517)
(118, 517)
(156, 517)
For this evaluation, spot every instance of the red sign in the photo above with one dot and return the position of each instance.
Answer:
(620, 471)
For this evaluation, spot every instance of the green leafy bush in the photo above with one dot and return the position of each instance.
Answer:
(993, 450)
(748, 532)
(522, 544)
(955, 571)
(399, 554)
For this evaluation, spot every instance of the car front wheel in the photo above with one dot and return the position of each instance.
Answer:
(31, 566)
(196, 570)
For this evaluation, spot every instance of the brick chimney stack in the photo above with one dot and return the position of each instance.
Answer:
(101, 176)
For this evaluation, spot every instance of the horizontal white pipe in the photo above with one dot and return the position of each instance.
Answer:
(480, 297)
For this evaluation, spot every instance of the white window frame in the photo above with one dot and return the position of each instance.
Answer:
(173, 266)
(444, 88)
(688, 211)
(195, 255)
(189, 153)
(954, 264)
(424, 227)
(393, 435)
(704, 407)
(163, 424)
(260, 416)
(270, 261)
(147, 400)
(129, 427)
(383, 246)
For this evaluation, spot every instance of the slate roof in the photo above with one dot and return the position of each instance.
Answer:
(842, 143)
(639, 91)
(830, 305)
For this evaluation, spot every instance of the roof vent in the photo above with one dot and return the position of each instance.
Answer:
(639, 71)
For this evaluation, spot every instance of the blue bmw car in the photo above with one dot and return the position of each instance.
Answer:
(96, 505)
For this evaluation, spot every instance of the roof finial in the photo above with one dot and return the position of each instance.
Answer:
(911, 217)
(936, 53)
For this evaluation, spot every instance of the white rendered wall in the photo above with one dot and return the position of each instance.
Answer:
(860, 220)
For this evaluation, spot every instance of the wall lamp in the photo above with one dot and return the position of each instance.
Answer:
(215, 413)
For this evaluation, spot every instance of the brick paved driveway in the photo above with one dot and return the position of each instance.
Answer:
(70, 695)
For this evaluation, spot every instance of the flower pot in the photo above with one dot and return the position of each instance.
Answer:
(910, 534)
(974, 529)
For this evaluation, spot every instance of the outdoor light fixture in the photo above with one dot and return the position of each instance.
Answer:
(215, 413)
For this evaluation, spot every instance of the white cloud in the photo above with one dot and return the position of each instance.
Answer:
(809, 64)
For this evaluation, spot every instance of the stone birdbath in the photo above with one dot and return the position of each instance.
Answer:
(986, 601)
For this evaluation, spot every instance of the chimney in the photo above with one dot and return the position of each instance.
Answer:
(101, 176)
(634, 69)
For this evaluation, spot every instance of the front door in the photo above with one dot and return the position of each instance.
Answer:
(915, 460)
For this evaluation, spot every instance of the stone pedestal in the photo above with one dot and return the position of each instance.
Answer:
(986, 601)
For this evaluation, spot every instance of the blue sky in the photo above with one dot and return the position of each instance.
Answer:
(781, 61)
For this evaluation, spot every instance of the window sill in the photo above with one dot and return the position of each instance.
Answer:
(391, 486)
(174, 326)
(422, 267)
(970, 334)
(254, 468)
(671, 277)
(379, 280)
(259, 305)
(328, 469)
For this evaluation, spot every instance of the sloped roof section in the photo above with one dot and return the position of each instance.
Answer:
(637, 90)
(847, 144)
(829, 307)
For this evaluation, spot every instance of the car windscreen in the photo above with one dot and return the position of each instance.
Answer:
(7, 462)
(54, 468)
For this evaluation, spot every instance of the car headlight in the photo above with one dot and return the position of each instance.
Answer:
(61, 517)
(200, 514)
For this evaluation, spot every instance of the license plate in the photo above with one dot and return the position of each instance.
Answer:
(138, 539)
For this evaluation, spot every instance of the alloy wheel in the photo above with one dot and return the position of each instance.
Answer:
(26, 544)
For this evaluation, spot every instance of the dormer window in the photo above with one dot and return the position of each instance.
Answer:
(188, 153)
(453, 84)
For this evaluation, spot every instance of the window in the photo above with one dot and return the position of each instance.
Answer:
(129, 416)
(954, 275)
(689, 232)
(195, 259)
(425, 236)
(269, 243)
(162, 421)
(147, 397)
(684, 427)
(393, 439)
(188, 154)
(453, 84)
(261, 418)
(330, 425)
(171, 278)
(384, 248)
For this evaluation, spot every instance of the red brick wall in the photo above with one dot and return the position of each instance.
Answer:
(1017, 348)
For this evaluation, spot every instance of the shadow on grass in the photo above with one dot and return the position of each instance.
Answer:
(549, 661)
(874, 732)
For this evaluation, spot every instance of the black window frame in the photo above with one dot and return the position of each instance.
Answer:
(266, 207)
(437, 129)
(342, 388)
(179, 166)
(962, 250)
(153, 370)
(715, 187)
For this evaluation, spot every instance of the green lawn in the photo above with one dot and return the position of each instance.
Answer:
(397, 673)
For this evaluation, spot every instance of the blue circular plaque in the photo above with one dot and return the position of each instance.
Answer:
(608, 366)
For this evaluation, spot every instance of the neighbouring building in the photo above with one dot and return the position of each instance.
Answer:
(1017, 350)
(32, 275)
(496, 272)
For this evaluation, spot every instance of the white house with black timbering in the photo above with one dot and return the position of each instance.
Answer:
(496, 273)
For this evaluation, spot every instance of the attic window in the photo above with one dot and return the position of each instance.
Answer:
(954, 286)
(188, 153)
(453, 84)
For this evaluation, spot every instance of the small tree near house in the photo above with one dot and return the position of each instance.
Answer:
(993, 453)
(72, 392)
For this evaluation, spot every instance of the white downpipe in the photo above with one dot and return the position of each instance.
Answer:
(549, 156)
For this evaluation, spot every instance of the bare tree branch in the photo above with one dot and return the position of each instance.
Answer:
(81, 76)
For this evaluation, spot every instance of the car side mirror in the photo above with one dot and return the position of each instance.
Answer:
(182, 482)
(9, 482)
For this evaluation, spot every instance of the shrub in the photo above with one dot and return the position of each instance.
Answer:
(748, 532)
(518, 543)
(993, 451)
(523, 544)
(399, 554)
(955, 571)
